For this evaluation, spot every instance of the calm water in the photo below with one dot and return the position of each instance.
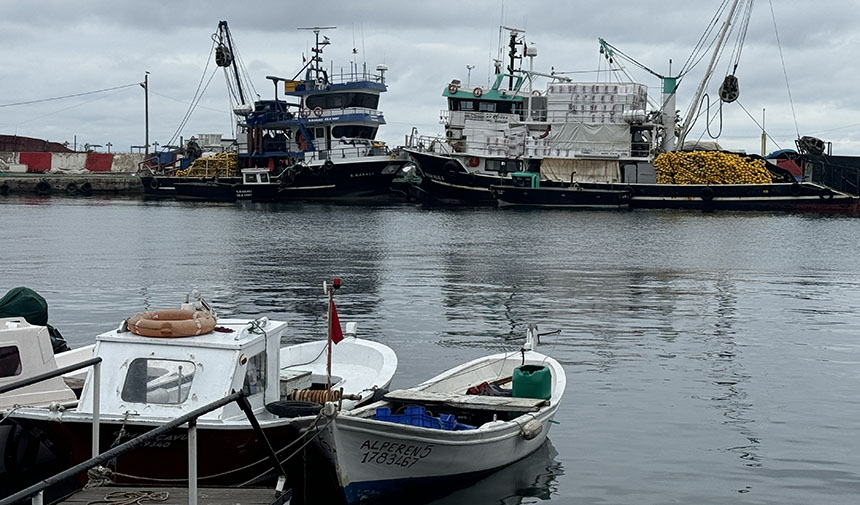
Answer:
(711, 358)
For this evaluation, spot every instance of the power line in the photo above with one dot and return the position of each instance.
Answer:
(69, 96)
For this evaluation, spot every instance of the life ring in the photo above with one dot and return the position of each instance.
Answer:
(327, 166)
(171, 323)
(477, 92)
(154, 183)
(71, 188)
(306, 112)
(474, 161)
(453, 88)
(826, 194)
(536, 92)
(86, 189)
(43, 188)
(707, 194)
(318, 111)
(4, 189)
(795, 189)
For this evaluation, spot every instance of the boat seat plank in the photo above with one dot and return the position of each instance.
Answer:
(179, 496)
(467, 402)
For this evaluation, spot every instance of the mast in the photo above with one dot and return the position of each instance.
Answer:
(698, 97)
(235, 67)
(316, 59)
(512, 53)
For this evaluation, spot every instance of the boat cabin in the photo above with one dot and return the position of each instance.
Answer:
(26, 351)
(255, 176)
(165, 377)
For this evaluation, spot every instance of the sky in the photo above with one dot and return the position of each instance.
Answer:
(799, 75)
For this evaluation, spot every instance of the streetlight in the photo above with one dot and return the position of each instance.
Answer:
(469, 75)
(108, 146)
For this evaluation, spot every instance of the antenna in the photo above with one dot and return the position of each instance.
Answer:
(316, 59)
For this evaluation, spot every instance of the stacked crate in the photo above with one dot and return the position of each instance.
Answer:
(593, 103)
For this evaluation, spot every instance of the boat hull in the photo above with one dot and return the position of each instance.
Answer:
(445, 181)
(574, 197)
(796, 197)
(409, 456)
(362, 179)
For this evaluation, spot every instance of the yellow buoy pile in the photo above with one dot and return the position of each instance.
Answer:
(710, 167)
(219, 164)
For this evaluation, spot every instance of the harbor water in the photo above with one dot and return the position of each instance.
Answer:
(711, 358)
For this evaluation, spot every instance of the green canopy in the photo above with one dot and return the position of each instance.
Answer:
(26, 303)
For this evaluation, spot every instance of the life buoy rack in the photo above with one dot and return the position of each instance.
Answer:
(171, 323)
(306, 112)
(477, 92)
(453, 88)
(318, 111)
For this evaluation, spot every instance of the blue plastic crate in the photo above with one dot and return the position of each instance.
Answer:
(416, 415)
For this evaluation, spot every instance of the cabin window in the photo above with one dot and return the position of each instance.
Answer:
(343, 100)
(250, 178)
(486, 106)
(159, 381)
(353, 131)
(10, 361)
(264, 177)
(320, 133)
(255, 374)
(502, 166)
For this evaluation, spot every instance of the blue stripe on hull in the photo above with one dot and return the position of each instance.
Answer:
(397, 490)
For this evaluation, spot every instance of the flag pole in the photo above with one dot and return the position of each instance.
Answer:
(328, 363)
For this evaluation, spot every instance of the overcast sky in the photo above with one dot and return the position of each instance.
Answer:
(56, 48)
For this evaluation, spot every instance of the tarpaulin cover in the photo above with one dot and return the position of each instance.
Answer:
(26, 303)
(99, 162)
(580, 170)
(592, 138)
(36, 162)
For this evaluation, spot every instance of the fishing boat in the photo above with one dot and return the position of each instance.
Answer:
(514, 125)
(601, 136)
(319, 141)
(161, 364)
(449, 427)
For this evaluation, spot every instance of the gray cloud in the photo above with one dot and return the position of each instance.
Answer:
(55, 48)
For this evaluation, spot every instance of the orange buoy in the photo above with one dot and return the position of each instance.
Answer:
(171, 323)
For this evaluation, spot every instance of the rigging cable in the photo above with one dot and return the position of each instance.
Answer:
(784, 72)
(198, 93)
(69, 96)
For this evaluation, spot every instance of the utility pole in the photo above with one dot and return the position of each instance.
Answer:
(146, 106)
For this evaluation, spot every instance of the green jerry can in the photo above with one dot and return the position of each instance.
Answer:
(532, 381)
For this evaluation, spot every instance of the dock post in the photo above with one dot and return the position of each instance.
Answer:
(97, 369)
(192, 462)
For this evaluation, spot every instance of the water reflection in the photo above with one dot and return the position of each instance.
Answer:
(535, 476)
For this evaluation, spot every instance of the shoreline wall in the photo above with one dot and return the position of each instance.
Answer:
(69, 163)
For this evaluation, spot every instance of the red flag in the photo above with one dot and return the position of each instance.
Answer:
(336, 332)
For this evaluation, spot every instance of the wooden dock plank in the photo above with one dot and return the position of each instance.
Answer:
(467, 402)
(179, 495)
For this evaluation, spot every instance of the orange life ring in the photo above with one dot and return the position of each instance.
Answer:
(171, 323)
(477, 92)
(306, 112)
(318, 111)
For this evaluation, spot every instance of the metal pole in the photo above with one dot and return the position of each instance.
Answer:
(192, 462)
(97, 379)
(146, 103)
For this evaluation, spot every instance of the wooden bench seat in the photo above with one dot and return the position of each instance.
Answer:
(467, 402)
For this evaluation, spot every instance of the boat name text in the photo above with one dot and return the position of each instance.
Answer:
(393, 454)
